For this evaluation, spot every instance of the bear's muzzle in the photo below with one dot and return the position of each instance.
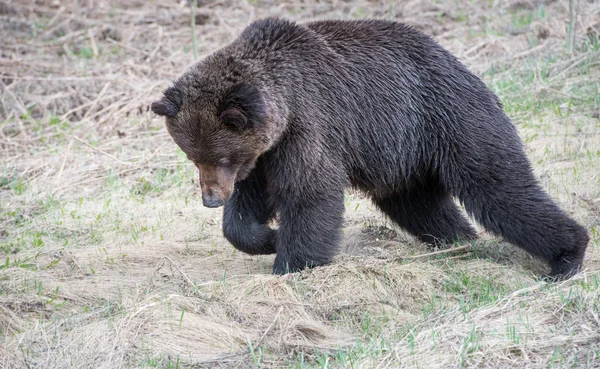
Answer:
(216, 183)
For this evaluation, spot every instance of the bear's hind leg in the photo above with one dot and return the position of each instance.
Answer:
(428, 212)
(507, 200)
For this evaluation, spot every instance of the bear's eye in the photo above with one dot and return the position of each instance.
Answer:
(233, 118)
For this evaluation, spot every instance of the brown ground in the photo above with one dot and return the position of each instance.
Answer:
(109, 260)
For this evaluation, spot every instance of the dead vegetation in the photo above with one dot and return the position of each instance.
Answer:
(109, 260)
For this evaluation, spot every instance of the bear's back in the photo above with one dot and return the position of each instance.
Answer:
(385, 42)
(366, 32)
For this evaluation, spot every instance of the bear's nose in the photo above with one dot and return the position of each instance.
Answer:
(212, 201)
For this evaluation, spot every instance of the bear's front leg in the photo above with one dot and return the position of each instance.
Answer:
(310, 221)
(246, 215)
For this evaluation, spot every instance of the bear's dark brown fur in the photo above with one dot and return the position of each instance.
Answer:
(286, 116)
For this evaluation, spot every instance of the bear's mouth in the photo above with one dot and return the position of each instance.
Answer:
(216, 183)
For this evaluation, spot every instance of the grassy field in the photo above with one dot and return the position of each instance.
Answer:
(108, 259)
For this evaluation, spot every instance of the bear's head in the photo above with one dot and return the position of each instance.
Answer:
(220, 118)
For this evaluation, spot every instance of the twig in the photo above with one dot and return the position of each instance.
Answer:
(18, 103)
(522, 291)
(62, 252)
(162, 262)
(268, 329)
(448, 251)
(153, 52)
(50, 26)
(93, 43)
(339, 306)
(91, 180)
(103, 152)
(30, 169)
(155, 152)
(533, 50)
(62, 166)
(125, 46)
(581, 58)
(83, 106)
(52, 79)
(96, 100)
(182, 273)
(188, 280)
(461, 256)
(477, 48)
(10, 160)
(72, 257)
(87, 181)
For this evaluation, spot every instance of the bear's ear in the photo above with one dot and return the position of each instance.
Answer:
(242, 107)
(170, 103)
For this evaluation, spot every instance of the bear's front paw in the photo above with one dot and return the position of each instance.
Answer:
(254, 238)
(284, 265)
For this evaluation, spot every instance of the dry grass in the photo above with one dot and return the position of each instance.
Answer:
(109, 260)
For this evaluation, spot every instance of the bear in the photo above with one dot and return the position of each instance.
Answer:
(285, 117)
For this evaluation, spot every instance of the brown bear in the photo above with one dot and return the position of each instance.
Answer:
(281, 120)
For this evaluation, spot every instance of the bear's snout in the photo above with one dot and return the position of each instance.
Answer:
(212, 201)
(216, 183)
